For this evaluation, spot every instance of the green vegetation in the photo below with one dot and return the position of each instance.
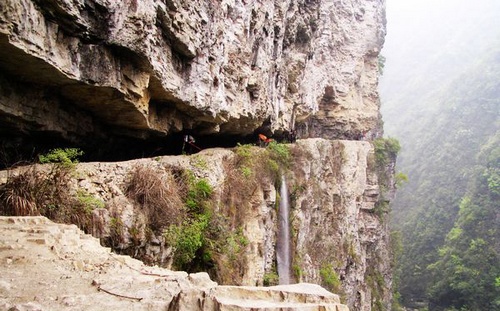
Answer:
(386, 150)
(447, 212)
(199, 191)
(204, 240)
(381, 208)
(381, 64)
(251, 167)
(271, 278)
(88, 201)
(246, 171)
(116, 231)
(278, 159)
(235, 243)
(376, 282)
(261, 163)
(350, 250)
(297, 271)
(330, 278)
(244, 151)
(198, 162)
(189, 239)
(468, 265)
(67, 156)
(400, 179)
(279, 152)
(396, 248)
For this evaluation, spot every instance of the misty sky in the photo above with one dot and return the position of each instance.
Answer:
(433, 20)
(428, 42)
(430, 24)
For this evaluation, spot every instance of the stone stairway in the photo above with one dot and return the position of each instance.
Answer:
(301, 296)
(49, 266)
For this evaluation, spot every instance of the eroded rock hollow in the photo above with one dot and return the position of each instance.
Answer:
(115, 73)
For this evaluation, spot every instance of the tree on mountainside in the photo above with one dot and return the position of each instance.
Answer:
(448, 212)
(468, 269)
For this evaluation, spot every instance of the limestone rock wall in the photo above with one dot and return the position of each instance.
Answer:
(157, 67)
(336, 228)
(336, 220)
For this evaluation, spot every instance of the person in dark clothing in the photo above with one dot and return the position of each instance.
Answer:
(292, 136)
(188, 144)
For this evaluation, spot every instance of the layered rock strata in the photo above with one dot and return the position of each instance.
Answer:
(74, 68)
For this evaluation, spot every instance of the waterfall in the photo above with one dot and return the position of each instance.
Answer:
(283, 238)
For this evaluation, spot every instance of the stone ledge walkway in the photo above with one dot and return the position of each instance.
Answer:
(49, 266)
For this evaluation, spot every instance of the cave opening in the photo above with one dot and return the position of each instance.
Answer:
(24, 148)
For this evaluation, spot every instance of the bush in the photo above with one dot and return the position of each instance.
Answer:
(400, 179)
(189, 239)
(235, 243)
(381, 208)
(271, 279)
(297, 271)
(67, 156)
(199, 191)
(244, 151)
(88, 201)
(280, 153)
(246, 171)
(330, 278)
(386, 150)
(194, 238)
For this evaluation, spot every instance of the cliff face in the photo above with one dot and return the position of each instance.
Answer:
(73, 68)
(339, 238)
(97, 71)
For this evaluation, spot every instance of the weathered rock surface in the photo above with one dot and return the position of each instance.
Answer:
(334, 189)
(100, 72)
(74, 68)
(48, 266)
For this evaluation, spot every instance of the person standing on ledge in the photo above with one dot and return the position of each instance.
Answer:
(188, 144)
(292, 136)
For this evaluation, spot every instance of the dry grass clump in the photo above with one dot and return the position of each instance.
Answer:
(34, 192)
(158, 194)
(21, 195)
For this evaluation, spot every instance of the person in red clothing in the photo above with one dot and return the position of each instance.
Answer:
(264, 140)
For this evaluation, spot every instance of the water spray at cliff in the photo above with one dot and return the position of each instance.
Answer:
(283, 239)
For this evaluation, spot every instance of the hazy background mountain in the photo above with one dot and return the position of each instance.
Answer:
(441, 99)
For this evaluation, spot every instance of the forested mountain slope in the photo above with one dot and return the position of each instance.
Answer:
(454, 155)
(446, 114)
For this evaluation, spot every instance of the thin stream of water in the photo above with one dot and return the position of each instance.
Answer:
(283, 239)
